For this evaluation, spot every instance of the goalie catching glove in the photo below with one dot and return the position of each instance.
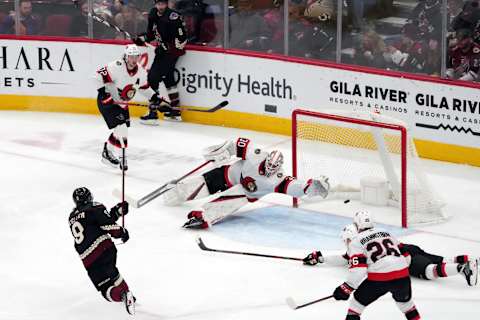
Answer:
(317, 187)
(220, 153)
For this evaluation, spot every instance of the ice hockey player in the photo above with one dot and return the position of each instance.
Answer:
(423, 265)
(92, 227)
(166, 27)
(254, 174)
(376, 267)
(118, 82)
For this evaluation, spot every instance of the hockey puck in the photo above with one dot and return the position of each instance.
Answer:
(346, 201)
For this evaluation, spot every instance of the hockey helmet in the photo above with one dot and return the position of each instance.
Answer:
(82, 196)
(363, 220)
(162, 1)
(348, 232)
(131, 50)
(273, 163)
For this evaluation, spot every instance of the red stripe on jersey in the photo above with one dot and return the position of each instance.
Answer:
(283, 186)
(444, 271)
(145, 86)
(406, 254)
(105, 75)
(387, 276)
(97, 252)
(252, 199)
(359, 265)
(225, 175)
(242, 145)
(353, 312)
(226, 198)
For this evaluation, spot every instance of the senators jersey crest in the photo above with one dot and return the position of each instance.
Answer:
(248, 183)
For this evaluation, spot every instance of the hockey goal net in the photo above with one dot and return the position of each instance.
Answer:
(368, 157)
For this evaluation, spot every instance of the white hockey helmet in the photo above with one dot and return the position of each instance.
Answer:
(131, 50)
(273, 163)
(348, 232)
(363, 220)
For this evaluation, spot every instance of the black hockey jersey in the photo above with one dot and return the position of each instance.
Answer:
(92, 228)
(168, 30)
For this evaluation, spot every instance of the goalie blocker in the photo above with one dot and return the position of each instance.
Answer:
(254, 174)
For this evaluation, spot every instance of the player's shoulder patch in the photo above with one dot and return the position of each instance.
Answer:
(257, 151)
(174, 16)
(476, 50)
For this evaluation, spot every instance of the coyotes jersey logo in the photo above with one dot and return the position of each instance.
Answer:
(248, 183)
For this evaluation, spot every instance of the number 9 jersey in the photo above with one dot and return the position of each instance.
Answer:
(375, 254)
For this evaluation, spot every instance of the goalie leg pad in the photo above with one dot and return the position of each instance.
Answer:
(189, 189)
(227, 204)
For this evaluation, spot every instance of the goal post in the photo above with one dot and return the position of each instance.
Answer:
(356, 149)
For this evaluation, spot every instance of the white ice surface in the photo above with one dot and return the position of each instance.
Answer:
(44, 156)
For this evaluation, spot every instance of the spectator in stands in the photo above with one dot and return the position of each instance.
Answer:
(79, 27)
(425, 19)
(468, 18)
(273, 18)
(307, 38)
(370, 51)
(29, 23)
(130, 20)
(464, 57)
(248, 29)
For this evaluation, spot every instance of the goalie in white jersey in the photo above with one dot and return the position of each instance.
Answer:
(376, 267)
(255, 174)
(118, 83)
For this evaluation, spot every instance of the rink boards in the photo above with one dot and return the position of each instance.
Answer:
(57, 76)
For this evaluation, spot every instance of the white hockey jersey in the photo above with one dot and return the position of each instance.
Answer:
(375, 254)
(250, 173)
(121, 83)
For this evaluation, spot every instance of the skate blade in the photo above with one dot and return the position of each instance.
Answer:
(153, 122)
(174, 119)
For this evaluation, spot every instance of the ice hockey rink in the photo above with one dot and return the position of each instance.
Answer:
(44, 156)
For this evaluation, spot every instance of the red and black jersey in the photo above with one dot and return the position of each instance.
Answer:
(92, 228)
(168, 30)
(469, 59)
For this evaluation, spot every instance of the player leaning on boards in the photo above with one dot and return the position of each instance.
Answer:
(254, 174)
(376, 268)
(92, 227)
(166, 27)
(118, 83)
(423, 265)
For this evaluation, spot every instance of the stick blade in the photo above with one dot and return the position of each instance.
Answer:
(132, 202)
(291, 303)
(201, 244)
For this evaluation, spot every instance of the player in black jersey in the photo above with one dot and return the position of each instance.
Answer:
(166, 27)
(92, 227)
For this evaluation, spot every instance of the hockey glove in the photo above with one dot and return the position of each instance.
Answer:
(139, 40)
(314, 258)
(120, 209)
(125, 235)
(317, 187)
(342, 292)
(221, 152)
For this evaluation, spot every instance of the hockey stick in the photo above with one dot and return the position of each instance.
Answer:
(202, 246)
(123, 185)
(159, 191)
(293, 305)
(219, 106)
(116, 28)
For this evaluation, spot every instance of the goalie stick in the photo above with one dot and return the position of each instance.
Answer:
(219, 106)
(202, 246)
(293, 305)
(157, 192)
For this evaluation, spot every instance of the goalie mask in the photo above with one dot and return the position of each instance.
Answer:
(273, 163)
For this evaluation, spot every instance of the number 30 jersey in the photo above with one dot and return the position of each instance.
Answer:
(91, 229)
(375, 254)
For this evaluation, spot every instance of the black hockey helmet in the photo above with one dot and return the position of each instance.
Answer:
(82, 196)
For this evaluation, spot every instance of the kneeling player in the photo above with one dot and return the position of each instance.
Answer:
(118, 82)
(377, 267)
(92, 227)
(423, 265)
(255, 174)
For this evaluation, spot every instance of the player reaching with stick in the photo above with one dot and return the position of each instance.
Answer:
(166, 27)
(92, 227)
(254, 174)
